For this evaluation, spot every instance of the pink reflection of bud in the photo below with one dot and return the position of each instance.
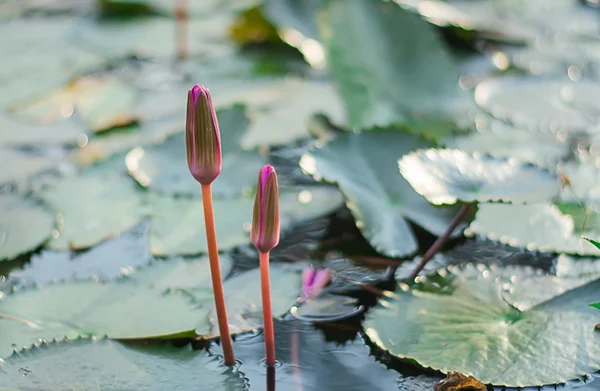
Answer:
(265, 220)
(314, 281)
(202, 137)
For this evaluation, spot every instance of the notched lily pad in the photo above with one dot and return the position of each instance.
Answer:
(381, 200)
(110, 365)
(164, 169)
(446, 176)
(177, 223)
(24, 226)
(452, 321)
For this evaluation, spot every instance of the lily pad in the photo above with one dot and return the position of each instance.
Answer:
(17, 133)
(19, 165)
(446, 176)
(177, 223)
(503, 141)
(326, 308)
(25, 225)
(120, 309)
(307, 360)
(363, 166)
(450, 315)
(91, 208)
(110, 365)
(382, 84)
(540, 103)
(101, 102)
(164, 169)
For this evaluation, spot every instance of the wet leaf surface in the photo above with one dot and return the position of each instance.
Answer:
(451, 315)
(308, 361)
(110, 365)
(380, 199)
(24, 226)
(326, 308)
(446, 176)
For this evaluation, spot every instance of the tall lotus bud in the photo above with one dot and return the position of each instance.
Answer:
(265, 220)
(202, 137)
(314, 281)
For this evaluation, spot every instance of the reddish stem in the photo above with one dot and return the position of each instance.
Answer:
(439, 243)
(215, 271)
(181, 15)
(269, 333)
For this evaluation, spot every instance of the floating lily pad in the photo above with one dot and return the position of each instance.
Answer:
(122, 309)
(19, 165)
(243, 296)
(539, 103)
(309, 361)
(164, 169)
(382, 84)
(177, 225)
(91, 208)
(363, 165)
(102, 103)
(326, 308)
(110, 365)
(541, 227)
(24, 226)
(503, 141)
(450, 315)
(446, 176)
(17, 133)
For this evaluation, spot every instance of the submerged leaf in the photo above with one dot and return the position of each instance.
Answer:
(381, 200)
(110, 365)
(446, 176)
(469, 327)
(24, 226)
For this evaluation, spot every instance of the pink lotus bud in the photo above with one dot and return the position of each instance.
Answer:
(265, 221)
(314, 281)
(202, 138)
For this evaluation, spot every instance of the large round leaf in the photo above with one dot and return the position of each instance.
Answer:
(19, 165)
(446, 176)
(457, 321)
(309, 362)
(164, 169)
(538, 103)
(364, 167)
(120, 309)
(91, 208)
(382, 84)
(90, 364)
(24, 226)
(177, 225)
(17, 133)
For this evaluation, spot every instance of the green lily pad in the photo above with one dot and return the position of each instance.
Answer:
(468, 327)
(326, 308)
(17, 133)
(382, 84)
(503, 141)
(177, 225)
(243, 296)
(110, 365)
(121, 309)
(24, 226)
(363, 165)
(91, 208)
(164, 169)
(446, 176)
(102, 103)
(539, 103)
(19, 165)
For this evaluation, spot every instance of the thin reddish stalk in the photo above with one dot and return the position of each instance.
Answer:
(265, 281)
(439, 243)
(215, 271)
(181, 15)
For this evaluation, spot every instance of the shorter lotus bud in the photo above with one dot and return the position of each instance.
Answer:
(202, 137)
(265, 220)
(314, 281)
